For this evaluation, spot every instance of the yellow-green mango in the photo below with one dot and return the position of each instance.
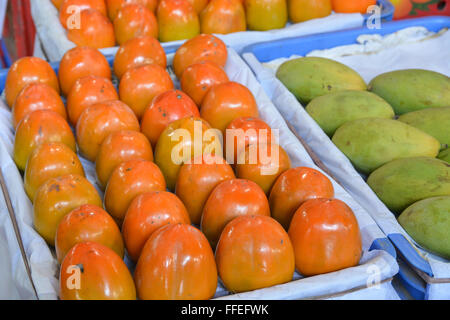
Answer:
(333, 110)
(412, 89)
(402, 182)
(445, 155)
(371, 142)
(311, 77)
(434, 121)
(428, 223)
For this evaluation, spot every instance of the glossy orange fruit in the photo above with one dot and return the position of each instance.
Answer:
(225, 102)
(87, 223)
(92, 271)
(177, 20)
(49, 160)
(231, 199)
(36, 96)
(181, 141)
(81, 62)
(115, 5)
(147, 213)
(67, 11)
(263, 15)
(262, 164)
(118, 147)
(303, 10)
(202, 174)
(56, 198)
(176, 263)
(244, 131)
(25, 71)
(294, 187)
(254, 252)
(86, 92)
(204, 47)
(166, 108)
(140, 85)
(97, 121)
(199, 5)
(352, 6)
(95, 30)
(198, 78)
(127, 181)
(39, 127)
(134, 20)
(223, 17)
(318, 247)
(137, 52)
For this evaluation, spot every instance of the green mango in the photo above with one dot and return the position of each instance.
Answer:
(428, 223)
(334, 109)
(412, 89)
(311, 77)
(402, 182)
(445, 155)
(434, 121)
(371, 142)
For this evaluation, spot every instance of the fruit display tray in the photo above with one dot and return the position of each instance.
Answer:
(55, 43)
(371, 279)
(430, 278)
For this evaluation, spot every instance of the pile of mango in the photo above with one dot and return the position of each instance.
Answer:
(395, 131)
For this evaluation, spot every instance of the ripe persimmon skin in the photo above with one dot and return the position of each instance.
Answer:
(246, 244)
(319, 249)
(96, 30)
(147, 213)
(87, 91)
(103, 273)
(137, 52)
(134, 20)
(176, 263)
(37, 96)
(166, 108)
(87, 223)
(81, 62)
(139, 86)
(25, 71)
(39, 127)
(231, 199)
(204, 47)
(97, 121)
(57, 197)
(128, 180)
(201, 175)
(294, 187)
(118, 147)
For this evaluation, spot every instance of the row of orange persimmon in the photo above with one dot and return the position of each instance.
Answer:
(169, 20)
(243, 214)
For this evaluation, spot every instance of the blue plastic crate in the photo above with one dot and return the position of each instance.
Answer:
(284, 48)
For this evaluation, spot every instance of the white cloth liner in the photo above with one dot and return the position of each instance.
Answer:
(54, 37)
(432, 54)
(44, 266)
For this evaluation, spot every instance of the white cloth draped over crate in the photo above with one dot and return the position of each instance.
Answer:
(411, 48)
